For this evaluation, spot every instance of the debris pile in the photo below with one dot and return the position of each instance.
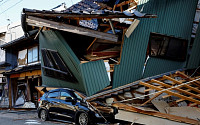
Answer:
(170, 98)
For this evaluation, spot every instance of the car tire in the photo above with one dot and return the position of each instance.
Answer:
(43, 115)
(83, 119)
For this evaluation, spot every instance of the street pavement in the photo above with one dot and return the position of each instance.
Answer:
(8, 117)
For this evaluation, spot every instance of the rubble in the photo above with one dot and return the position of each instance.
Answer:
(179, 104)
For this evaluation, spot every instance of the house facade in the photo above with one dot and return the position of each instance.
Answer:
(24, 70)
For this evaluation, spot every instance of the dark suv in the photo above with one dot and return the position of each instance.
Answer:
(69, 105)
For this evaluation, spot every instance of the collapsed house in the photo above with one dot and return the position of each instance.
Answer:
(96, 45)
(80, 45)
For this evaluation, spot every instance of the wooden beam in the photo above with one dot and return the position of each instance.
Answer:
(171, 93)
(187, 86)
(126, 2)
(188, 78)
(91, 44)
(86, 16)
(178, 89)
(69, 28)
(156, 114)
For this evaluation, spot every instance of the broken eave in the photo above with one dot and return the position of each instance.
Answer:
(39, 22)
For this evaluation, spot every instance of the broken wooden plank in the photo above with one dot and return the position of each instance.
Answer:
(187, 86)
(156, 114)
(169, 92)
(70, 28)
(132, 28)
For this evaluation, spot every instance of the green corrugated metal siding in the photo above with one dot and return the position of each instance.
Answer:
(91, 76)
(194, 60)
(175, 18)
(53, 40)
(95, 75)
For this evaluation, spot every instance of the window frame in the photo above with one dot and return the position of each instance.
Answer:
(52, 68)
(38, 58)
(181, 57)
(27, 62)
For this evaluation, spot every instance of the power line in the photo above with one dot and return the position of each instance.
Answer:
(11, 7)
(4, 2)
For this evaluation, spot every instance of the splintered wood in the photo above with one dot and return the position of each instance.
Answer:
(188, 90)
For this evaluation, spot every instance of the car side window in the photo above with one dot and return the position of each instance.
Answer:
(53, 95)
(64, 94)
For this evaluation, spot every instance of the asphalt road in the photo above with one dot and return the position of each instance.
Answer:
(8, 117)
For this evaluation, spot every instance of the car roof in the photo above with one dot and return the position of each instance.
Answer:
(53, 90)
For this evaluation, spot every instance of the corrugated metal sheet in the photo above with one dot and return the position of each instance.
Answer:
(54, 41)
(175, 18)
(91, 76)
(194, 60)
(95, 76)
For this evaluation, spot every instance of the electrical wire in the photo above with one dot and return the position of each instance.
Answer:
(4, 2)
(11, 7)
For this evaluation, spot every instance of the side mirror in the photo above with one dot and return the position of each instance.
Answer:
(70, 99)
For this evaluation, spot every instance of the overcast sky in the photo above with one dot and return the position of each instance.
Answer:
(11, 9)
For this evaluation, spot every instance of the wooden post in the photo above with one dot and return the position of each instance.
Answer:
(10, 92)
(28, 89)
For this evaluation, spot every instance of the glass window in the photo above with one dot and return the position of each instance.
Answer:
(63, 95)
(33, 54)
(167, 47)
(22, 57)
(55, 67)
(53, 95)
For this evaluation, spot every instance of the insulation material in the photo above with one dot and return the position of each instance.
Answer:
(29, 105)
(22, 57)
(197, 16)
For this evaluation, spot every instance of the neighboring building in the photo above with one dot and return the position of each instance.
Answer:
(3, 64)
(24, 71)
(156, 46)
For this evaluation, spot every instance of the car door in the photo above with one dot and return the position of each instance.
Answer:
(53, 102)
(67, 108)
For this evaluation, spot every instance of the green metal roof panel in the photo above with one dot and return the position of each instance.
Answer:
(53, 40)
(194, 60)
(95, 76)
(175, 18)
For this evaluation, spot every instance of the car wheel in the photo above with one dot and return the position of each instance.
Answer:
(43, 115)
(83, 119)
